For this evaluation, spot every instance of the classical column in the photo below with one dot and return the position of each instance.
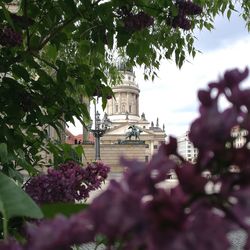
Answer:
(137, 104)
(127, 106)
(120, 103)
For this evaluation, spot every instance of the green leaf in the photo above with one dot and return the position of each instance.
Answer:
(70, 6)
(132, 50)
(67, 209)
(7, 15)
(208, 26)
(3, 153)
(35, 41)
(123, 37)
(229, 12)
(21, 72)
(52, 52)
(15, 202)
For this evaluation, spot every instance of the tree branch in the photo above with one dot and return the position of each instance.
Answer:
(55, 31)
(27, 28)
(44, 61)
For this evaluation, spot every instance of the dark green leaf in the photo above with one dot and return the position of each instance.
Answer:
(123, 37)
(7, 15)
(15, 202)
(21, 72)
(52, 52)
(3, 153)
(67, 209)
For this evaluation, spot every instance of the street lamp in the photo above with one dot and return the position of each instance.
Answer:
(100, 127)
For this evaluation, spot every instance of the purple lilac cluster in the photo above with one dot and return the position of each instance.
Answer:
(68, 183)
(10, 244)
(140, 212)
(9, 37)
(137, 22)
(185, 9)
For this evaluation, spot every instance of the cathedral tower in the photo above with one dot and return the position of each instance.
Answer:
(125, 106)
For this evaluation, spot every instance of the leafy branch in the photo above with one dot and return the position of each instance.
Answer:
(55, 31)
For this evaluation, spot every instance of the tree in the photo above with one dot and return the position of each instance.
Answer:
(54, 52)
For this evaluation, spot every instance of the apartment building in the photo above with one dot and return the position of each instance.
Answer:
(186, 148)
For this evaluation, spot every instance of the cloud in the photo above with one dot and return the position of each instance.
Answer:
(225, 32)
(173, 96)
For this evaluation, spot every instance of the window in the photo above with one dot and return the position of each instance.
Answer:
(155, 146)
(146, 158)
(116, 108)
(130, 108)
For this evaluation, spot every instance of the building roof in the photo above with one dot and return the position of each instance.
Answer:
(77, 139)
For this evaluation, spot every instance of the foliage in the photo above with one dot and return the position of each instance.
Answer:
(198, 212)
(55, 54)
(15, 202)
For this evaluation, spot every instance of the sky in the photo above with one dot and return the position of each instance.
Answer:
(172, 97)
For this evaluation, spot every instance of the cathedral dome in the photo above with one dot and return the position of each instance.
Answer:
(125, 104)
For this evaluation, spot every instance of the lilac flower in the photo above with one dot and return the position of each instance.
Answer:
(212, 130)
(206, 229)
(68, 183)
(9, 37)
(136, 22)
(189, 178)
(59, 233)
(188, 7)
(10, 244)
(185, 8)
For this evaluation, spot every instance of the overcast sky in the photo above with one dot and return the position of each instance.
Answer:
(172, 96)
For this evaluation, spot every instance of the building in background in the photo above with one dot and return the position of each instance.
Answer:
(239, 136)
(186, 148)
(123, 112)
(78, 139)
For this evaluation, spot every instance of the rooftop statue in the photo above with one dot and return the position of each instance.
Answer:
(122, 66)
(143, 117)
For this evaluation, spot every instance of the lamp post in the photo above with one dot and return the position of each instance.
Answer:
(100, 127)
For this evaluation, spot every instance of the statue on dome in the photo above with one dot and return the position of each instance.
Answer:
(143, 117)
(122, 65)
(157, 122)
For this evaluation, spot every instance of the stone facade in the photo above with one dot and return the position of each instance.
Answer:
(111, 154)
